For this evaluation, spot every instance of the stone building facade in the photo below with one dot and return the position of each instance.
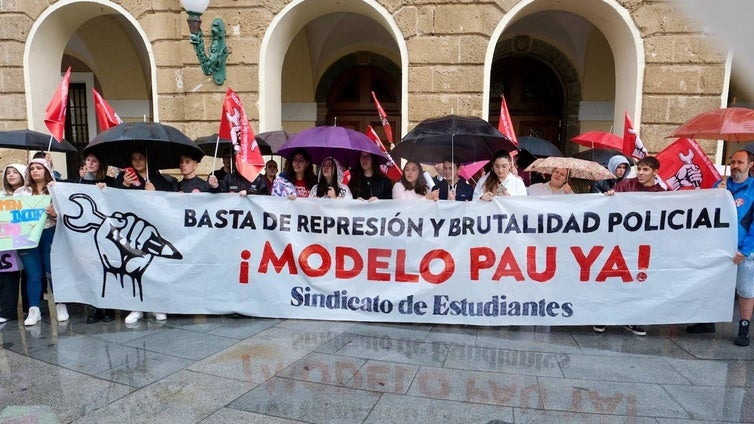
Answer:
(565, 67)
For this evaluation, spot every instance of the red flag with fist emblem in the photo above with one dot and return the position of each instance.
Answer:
(685, 166)
(234, 126)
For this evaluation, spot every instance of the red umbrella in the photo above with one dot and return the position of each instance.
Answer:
(599, 140)
(729, 124)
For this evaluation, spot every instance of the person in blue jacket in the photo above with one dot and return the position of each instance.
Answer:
(741, 186)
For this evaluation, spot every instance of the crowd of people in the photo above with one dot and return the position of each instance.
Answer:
(366, 182)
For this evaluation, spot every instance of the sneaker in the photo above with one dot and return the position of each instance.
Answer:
(2, 320)
(35, 315)
(133, 317)
(638, 331)
(599, 328)
(705, 327)
(160, 316)
(743, 333)
(62, 312)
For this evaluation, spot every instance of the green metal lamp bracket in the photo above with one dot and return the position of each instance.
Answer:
(214, 63)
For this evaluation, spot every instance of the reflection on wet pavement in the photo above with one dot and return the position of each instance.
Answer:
(215, 369)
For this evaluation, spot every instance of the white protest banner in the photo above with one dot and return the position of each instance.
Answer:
(632, 258)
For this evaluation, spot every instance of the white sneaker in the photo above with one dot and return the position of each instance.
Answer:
(133, 317)
(35, 315)
(160, 316)
(2, 320)
(62, 312)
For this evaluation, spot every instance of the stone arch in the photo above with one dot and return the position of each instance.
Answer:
(560, 64)
(286, 25)
(48, 39)
(616, 25)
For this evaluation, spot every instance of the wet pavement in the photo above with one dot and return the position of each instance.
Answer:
(215, 369)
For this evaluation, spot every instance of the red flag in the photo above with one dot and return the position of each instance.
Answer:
(55, 112)
(383, 119)
(106, 116)
(632, 145)
(390, 169)
(234, 126)
(505, 125)
(685, 166)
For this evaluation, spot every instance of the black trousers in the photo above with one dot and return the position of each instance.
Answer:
(9, 290)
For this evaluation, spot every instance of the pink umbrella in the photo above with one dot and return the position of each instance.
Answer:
(470, 169)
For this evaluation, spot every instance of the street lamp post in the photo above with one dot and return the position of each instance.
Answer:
(214, 62)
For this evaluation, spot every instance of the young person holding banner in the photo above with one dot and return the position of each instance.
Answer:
(37, 259)
(330, 183)
(453, 187)
(413, 185)
(96, 174)
(297, 178)
(367, 180)
(13, 178)
(646, 180)
(500, 181)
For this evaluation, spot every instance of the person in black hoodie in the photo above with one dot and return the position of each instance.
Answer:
(367, 180)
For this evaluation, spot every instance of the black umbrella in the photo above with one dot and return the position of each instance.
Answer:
(538, 146)
(163, 144)
(207, 144)
(274, 139)
(470, 138)
(601, 156)
(32, 140)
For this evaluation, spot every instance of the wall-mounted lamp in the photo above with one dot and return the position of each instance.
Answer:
(214, 64)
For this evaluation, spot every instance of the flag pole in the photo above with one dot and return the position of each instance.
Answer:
(49, 145)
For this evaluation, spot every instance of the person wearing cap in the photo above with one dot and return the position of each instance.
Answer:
(37, 259)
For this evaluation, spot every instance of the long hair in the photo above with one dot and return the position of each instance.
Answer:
(102, 171)
(421, 184)
(323, 185)
(309, 176)
(29, 182)
(358, 176)
(490, 185)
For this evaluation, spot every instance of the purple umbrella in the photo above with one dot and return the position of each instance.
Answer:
(342, 143)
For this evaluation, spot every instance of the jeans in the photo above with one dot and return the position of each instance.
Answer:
(37, 266)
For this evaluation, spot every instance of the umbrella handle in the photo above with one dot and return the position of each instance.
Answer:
(214, 159)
